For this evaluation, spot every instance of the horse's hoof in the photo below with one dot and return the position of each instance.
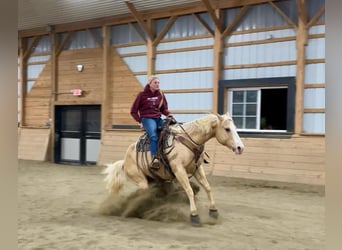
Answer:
(195, 220)
(213, 213)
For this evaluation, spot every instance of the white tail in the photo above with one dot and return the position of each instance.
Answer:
(115, 176)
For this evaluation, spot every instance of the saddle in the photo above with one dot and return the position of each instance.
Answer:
(143, 143)
(165, 138)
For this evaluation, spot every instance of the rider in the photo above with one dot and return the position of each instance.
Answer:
(147, 109)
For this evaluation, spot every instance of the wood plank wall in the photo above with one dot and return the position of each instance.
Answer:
(89, 80)
(123, 89)
(37, 101)
(298, 159)
(33, 143)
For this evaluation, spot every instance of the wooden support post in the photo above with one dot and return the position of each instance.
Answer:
(301, 38)
(151, 51)
(53, 94)
(23, 79)
(106, 78)
(218, 57)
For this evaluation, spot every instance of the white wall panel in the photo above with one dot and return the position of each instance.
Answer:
(187, 117)
(315, 49)
(256, 36)
(185, 44)
(184, 26)
(262, 72)
(136, 63)
(315, 73)
(319, 29)
(260, 53)
(314, 98)
(186, 80)
(33, 71)
(186, 101)
(29, 86)
(38, 58)
(142, 79)
(82, 39)
(43, 46)
(258, 16)
(131, 49)
(188, 59)
(314, 123)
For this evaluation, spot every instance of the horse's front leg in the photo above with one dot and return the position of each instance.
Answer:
(183, 179)
(202, 180)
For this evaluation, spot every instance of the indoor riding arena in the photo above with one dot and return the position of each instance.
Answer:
(81, 65)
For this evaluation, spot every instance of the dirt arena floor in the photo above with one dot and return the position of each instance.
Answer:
(67, 207)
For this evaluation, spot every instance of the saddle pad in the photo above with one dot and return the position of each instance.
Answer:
(143, 143)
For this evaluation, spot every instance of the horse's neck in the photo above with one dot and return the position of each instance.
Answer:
(200, 130)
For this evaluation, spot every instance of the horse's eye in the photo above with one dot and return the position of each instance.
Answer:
(227, 129)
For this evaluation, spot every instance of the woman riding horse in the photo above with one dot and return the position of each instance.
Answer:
(181, 158)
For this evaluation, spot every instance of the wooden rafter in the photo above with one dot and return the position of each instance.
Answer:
(137, 31)
(166, 27)
(64, 42)
(140, 20)
(315, 17)
(32, 45)
(212, 14)
(236, 19)
(288, 20)
(204, 24)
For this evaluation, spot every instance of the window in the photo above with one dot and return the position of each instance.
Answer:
(259, 105)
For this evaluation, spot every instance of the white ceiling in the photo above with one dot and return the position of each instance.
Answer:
(40, 13)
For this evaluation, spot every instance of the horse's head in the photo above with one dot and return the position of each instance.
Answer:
(226, 133)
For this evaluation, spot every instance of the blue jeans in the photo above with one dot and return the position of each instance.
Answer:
(151, 126)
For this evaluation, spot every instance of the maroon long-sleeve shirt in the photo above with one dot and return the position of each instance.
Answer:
(146, 104)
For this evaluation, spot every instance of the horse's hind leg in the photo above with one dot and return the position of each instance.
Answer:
(202, 180)
(133, 171)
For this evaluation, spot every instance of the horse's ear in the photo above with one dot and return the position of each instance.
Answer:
(220, 117)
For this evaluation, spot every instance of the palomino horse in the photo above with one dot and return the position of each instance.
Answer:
(188, 141)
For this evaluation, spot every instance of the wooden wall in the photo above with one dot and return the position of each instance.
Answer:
(33, 143)
(123, 88)
(37, 101)
(90, 80)
(298, 159)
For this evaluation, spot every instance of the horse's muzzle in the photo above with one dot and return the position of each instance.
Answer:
(238, 150)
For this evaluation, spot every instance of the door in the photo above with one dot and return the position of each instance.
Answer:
(77, 134)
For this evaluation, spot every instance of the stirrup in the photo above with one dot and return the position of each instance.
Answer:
(155, 164)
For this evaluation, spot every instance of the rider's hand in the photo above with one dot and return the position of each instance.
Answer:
(172, 119)
(141, 126)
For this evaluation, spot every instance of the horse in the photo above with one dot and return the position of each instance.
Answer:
(184, 158)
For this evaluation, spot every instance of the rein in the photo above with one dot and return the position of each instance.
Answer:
(196, 148)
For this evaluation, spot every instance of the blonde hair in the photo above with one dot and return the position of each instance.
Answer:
(151, 78)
